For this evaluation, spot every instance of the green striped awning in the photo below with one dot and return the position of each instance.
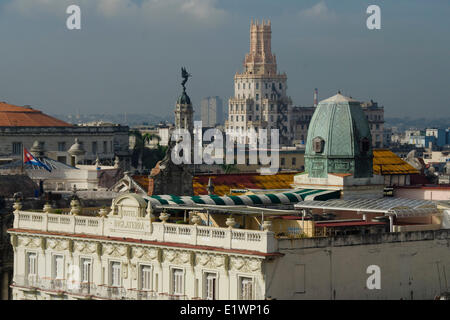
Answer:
(249, 200)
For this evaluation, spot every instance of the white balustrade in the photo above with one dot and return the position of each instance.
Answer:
(142, 228)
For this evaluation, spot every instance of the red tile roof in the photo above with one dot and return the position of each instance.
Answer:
(15, 116)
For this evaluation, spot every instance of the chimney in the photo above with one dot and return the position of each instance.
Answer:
(316, 97)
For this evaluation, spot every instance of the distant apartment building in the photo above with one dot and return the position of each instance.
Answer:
(375, 115)
(387, 137)
(301, 116)
(212, 111)
(430, 137)
(22, 126)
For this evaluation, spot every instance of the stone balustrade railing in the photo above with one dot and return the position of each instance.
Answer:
(145, 229)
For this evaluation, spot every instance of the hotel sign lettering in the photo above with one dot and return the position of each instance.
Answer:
(124, 224)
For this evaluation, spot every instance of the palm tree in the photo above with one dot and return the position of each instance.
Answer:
(140, 143)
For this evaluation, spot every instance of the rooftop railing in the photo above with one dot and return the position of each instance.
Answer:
(114, 226)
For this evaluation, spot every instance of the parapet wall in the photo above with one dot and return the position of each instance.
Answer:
(368, 239)
(405, 265)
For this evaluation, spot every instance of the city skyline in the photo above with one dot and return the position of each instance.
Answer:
(128, 53)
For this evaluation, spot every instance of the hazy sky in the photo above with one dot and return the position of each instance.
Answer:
(128, 53)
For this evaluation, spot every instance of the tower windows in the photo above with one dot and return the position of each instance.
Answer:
(280, 86)
(257, 86)
(318, 143)
(257, 97)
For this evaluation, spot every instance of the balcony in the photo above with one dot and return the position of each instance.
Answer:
(30, 282)
(111, 292)
(136, 294)
(88, 290)
(52, 285)
(82, 288)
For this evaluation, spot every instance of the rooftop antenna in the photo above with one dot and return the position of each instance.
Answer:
(316, 97)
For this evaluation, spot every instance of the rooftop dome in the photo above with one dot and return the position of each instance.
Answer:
(37, 149)
(339, 139)
(184, 99)
(76, 149)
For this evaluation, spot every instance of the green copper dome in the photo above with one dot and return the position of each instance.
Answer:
(339, 140)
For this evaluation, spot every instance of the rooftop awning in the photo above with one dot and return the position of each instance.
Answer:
(389, 206)
(246, 200)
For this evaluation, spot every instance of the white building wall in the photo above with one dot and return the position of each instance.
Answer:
(409, 269)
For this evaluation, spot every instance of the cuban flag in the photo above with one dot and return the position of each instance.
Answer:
(30, 159)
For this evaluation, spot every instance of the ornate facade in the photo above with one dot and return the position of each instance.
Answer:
(127, 255)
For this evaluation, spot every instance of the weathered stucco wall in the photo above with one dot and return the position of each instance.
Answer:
(413, 265)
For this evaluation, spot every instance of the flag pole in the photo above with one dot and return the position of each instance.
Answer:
(23, 150)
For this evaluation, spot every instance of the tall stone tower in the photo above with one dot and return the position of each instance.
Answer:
(260, 100)
(184, 113)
